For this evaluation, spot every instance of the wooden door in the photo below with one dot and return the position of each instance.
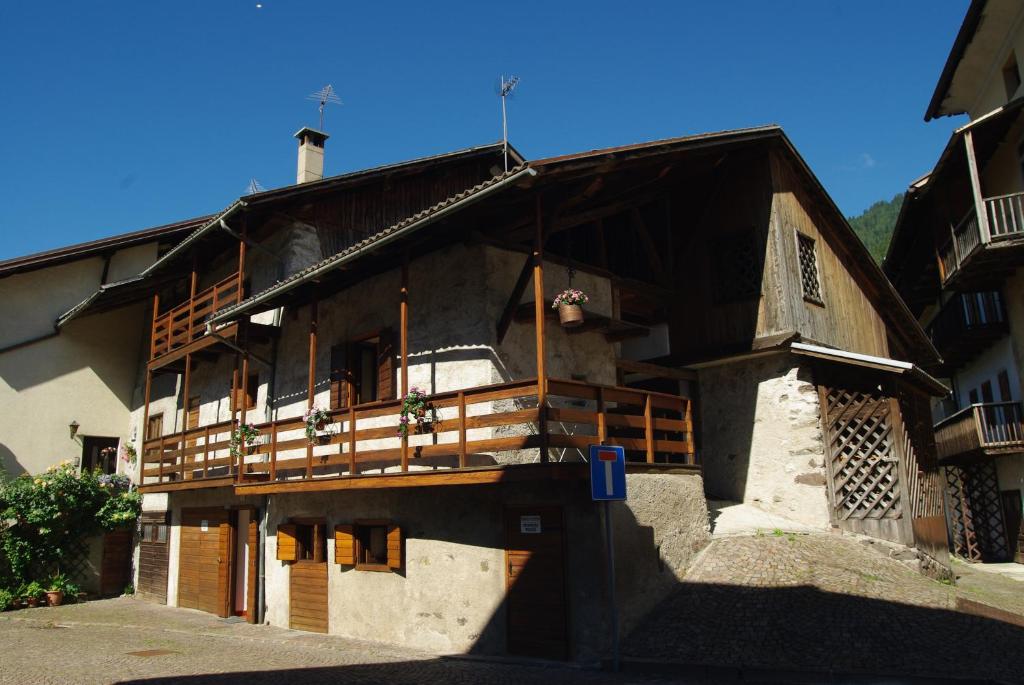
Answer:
(1014, 530)
(535, 595)
(204, 566)
(307, 597)
(116, 566)
(153, 557)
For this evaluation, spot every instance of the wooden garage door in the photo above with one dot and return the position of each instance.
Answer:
(204, 562)
(116, 567)
(536, 582)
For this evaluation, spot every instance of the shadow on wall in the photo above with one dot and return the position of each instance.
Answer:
(10, 467)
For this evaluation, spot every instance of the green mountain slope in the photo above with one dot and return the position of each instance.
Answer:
(875, 225)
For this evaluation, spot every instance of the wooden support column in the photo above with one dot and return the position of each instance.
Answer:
(538, 314)
(145, 424)
(192, 287)
(351, 440)
(234, 406)
(648, 428)
(186, 389)
(241, 266)
(979, 200)
(404, 346)
(311, 383)
(462, 429)
(602, 426)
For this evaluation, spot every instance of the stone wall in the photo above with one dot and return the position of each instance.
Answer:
(762, 440)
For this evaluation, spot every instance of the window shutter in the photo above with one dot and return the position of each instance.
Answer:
(339, 377)
(344, 545)
(286, 547)
(394, 547)
(386, 365)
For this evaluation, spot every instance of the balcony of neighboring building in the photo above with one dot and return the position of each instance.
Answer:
(980, 431)
(979, 253)
(967, 325)
(182, 328)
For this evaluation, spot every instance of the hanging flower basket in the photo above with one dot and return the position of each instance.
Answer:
(243, 440)
(416, 411)
(316, 422)
(569, 304)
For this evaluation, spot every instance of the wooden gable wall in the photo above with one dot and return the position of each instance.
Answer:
(847, 320)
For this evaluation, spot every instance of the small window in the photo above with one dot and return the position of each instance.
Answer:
(155, 427)
(154, 532)
(376, 546)
(1004, 387)
(311, 541)
(1011, 75)
(737, 264)
(808, 268)
(362, 370)
(251, 388)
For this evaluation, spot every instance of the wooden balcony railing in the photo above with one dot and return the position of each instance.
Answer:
(981, 429)
(967, 323)
(1005, 220)
(185, 323)
(471, 426)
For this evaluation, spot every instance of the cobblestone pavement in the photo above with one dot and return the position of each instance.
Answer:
(834, 604)
(92, 643)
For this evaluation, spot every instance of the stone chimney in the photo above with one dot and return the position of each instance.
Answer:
(311, 155)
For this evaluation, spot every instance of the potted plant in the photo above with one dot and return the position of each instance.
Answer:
(243, 439)
(569, 304)
(31, 594)
(316, 421)
(57, 588)
(416, 410)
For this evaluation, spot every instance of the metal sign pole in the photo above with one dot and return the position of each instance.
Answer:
(613, 608)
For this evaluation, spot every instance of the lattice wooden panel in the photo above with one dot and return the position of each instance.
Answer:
(979, 528)
(808, 268)
(863, 467)
(925, 483)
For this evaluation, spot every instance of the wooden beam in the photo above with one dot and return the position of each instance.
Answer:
(404, 345)
(311, 381)
(513, 299)
(979, 200)
(655, 370)
(650, 247)
(538, 314)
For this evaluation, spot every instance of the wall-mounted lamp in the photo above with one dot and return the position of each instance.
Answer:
(73, 428)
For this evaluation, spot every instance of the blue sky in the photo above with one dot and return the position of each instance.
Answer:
(118, 116)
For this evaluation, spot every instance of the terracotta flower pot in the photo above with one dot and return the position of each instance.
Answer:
(570, 315)
(55, 597)
(321, 424)
(32, 602)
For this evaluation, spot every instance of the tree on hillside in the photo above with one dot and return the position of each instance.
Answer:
(874, 226)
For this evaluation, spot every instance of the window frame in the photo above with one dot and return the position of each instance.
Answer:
(360, 525)
(809, 298)
(301, 548)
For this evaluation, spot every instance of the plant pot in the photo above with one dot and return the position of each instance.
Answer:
(251, 449)
(321, 424)
(570, 315)
(32, 602)
(54, 598)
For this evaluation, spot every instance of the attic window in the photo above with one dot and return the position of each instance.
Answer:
(737, 267)
(1011, 75)
(809, 282)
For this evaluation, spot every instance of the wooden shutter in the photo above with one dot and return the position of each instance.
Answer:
(339, 377)
(287, 549)
(394, 547)
(386, 365)
(344, 545)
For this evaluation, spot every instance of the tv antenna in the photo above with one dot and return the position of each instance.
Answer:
(505, 88)
(325, 96)
(254, 187)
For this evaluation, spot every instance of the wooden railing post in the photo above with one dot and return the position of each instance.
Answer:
(687, 412)
(980, 211)
(649, 428)
(206, 451)
(462, 429)
(160, 467)
(602, 428)
(273, 451)
(351, 441)
(542, 420)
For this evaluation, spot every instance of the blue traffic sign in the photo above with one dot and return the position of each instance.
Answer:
(607, 473)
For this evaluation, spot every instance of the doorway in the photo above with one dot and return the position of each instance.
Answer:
(244, 562)
(99, 453)
(535, 582)
(1012, 510)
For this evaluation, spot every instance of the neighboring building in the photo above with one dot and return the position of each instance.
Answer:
(955, 257)
(739, 340)
(52, 376)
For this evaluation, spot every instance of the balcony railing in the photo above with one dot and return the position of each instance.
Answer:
(471, 426)
(981, 430)
(183, 324)
(1005, 220)
(967, 323)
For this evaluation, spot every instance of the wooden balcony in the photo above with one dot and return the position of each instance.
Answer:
(968, 324)
(973, 257)
(979, 431)
(480, 430)
(184, 324)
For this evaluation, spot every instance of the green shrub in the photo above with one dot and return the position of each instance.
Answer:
(49, 513)
(6, 599)
(33, 589)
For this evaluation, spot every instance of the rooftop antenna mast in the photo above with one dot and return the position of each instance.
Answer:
(505, 89)
(254, 187)
(325, 96)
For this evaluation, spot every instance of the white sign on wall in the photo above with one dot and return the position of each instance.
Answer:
(529, 524)
(204, 526)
